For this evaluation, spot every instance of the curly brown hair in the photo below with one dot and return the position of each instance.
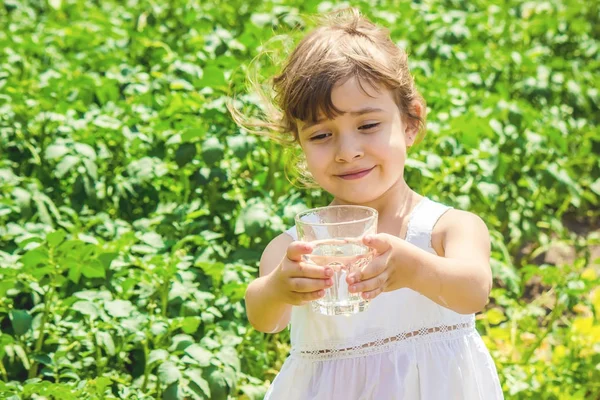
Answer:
(344, 45)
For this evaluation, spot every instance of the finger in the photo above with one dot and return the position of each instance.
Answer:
(374, 268)
(303, 298)
(370, 295)
(377, 282)
(379, 242)
(296, 249)
(306, 285)
(308, 270)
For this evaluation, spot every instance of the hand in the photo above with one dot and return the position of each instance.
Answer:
(393, 266)
(297, 282)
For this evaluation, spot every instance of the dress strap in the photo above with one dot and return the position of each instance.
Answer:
(422, 222)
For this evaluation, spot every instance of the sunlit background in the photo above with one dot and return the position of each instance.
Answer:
(133, 211)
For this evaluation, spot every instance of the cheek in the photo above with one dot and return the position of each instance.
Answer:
(390, 150)
(314, 161)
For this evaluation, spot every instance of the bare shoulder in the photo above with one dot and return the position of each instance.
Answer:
(274, 253)
(458, 225)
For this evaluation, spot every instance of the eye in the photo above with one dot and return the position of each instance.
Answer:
(320, 136)
(368, 126)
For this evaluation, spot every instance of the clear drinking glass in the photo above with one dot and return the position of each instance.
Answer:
(336, 233)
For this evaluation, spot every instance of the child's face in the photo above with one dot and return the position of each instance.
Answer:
(359, 155)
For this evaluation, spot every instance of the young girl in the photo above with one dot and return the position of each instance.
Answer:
(347, 98)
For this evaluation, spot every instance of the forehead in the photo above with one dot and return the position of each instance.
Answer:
(354, 97)
(355, 93)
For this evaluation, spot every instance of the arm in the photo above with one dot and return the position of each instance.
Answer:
(461, 279)
(284, 281)
(458, 278)
(265, 313)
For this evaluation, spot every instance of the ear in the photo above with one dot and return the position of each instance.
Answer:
(411, 125)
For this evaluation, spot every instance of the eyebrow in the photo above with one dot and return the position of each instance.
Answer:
(356, 113)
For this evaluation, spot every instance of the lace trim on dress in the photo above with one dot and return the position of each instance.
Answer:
(422, 335)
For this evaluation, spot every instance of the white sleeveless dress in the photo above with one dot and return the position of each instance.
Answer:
(404, 346)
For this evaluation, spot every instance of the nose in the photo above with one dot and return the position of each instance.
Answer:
(348, 149)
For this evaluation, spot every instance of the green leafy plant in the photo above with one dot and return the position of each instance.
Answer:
(133, 211)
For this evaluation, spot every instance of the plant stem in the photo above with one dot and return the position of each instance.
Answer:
(40, 340)
(146, 367)
(185, 181)
(3, 372)
(97, 346)
(164, 294)
(553, 317)
(270, 182)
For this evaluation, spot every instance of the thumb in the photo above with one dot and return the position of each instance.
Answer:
(296, 249)
(379, 242)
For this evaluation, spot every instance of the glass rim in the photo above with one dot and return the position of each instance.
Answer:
(356, 221)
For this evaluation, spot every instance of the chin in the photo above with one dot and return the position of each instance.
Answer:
(355, 193)
(357, 197)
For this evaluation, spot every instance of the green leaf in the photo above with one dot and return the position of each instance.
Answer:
(495, 316)
(20, 352)
(5, 285)
(192, 133)
(159, 328)
(153, 239)
(253, 219)
(55, 151)
(42, 359)
(157, 355)
(212, 151)
(185, 153)
(102, 383)
(217, 381)
(34, 258)
(489, 190)
(229, 356)
(55, 238)
(104, 121)
(181, 84)
(168, 373)
(190, 324)
(119, 308)
(107, 258)
(91, 168)
(596, 186)
(181, 342)
(213, 76)
(86, 151)
(93, 269)
(21, 321)
(254, 392)
(241, 145)
(74, 273)
(65, 165)
(213, 269)
(87, 308)
(198, 383)
(173, 392)
(55, 4)
(262, 19)
(506, 274)
(562, 176)
(105, 340)
(199, 354)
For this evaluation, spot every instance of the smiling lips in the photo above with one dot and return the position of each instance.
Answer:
(356, 174)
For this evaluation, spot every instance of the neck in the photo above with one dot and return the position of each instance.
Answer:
(394, 204)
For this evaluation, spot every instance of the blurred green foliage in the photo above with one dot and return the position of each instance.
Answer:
(133, 211)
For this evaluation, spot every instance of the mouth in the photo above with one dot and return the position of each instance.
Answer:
(356, 174)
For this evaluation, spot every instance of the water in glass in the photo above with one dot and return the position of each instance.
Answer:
(343, 256)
